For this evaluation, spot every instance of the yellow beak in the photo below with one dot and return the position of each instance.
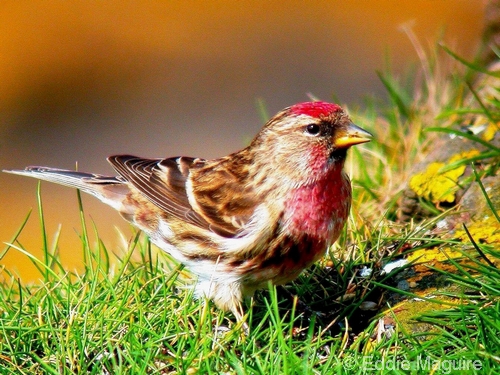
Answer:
(353, 135)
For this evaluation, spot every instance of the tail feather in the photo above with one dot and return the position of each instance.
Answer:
(110, 190)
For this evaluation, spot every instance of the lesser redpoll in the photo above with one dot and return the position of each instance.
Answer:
(261, 214)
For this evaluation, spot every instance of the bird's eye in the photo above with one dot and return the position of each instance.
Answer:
(313, 129)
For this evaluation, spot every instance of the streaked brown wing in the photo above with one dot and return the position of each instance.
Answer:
(163, 182)
(223, 196)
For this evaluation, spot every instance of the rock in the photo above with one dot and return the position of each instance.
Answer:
(440, 181)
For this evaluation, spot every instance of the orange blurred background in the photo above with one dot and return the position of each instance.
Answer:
(82, 80)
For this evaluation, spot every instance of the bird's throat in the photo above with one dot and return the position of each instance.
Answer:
(338, 155)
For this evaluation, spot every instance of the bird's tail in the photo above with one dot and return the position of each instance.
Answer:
(110, 190)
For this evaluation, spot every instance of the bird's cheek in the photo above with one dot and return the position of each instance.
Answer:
(317, 158)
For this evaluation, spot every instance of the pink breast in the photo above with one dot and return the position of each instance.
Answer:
(320, 209)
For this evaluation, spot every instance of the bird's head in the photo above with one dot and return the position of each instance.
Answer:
(308, 140)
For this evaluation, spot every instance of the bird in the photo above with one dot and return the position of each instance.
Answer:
(262, 214)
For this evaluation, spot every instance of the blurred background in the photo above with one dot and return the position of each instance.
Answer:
(82, 80)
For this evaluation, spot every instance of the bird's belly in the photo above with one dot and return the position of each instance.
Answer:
(281, 262)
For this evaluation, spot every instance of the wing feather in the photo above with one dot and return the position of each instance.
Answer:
(162, 182)
(219, 201)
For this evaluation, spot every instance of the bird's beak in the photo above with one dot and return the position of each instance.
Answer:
(353, 135)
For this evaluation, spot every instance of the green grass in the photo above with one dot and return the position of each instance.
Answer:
(134, 312)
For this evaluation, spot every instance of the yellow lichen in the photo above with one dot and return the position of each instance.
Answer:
(490, 131)
(437, 186)
(484, 231)
(487, 129)
(433, 255)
